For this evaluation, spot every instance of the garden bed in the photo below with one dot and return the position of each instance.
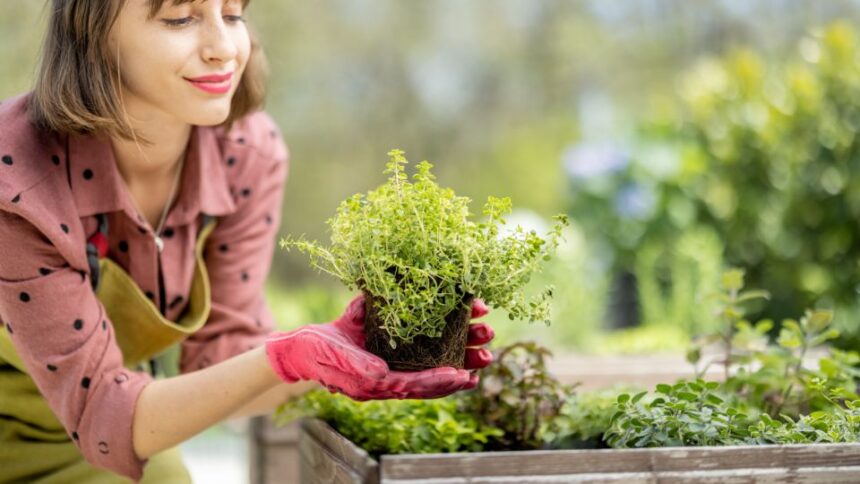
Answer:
(274, 450)
(328, 457)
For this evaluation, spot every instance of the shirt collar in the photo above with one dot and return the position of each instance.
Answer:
(203, 185)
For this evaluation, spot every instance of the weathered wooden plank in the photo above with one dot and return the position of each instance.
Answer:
(830, 475)
(273, 462)
(269, 433)
(353, 456)
(825, 463)
(279, 465)
(565, 462)
(319, 465)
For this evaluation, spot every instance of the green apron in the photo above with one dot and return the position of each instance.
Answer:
(34, 446)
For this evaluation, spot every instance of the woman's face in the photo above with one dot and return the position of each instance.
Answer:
(158, 56)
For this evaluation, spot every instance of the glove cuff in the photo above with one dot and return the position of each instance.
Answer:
(276, 354)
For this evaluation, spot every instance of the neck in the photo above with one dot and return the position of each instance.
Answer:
(141, 164)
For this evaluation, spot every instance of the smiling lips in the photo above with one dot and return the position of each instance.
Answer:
(214, 83)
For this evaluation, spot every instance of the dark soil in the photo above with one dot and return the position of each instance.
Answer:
(424, 352)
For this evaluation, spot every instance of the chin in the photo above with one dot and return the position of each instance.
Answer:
(213, 118)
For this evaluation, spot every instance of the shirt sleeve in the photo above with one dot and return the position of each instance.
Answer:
(66, 342)
(239, 254)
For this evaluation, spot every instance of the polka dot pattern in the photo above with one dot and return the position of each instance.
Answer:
(54, 299)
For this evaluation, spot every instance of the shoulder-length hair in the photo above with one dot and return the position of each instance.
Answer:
(77, 87)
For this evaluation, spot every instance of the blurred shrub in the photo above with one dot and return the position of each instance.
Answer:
(677, 282)
(765, 154)
(774, 152)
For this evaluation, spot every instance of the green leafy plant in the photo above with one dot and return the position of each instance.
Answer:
(584, 418)
(688, 413)
(394, 426)
(699, 413)
(775, 374)
(414, 247)
(837, 424)
(731, 312)
(517, 395)
(771, 392)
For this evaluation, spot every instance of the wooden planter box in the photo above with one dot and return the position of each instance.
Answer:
(274, 452)
(328, 457)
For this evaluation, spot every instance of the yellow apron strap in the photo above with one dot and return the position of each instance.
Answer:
(141, 331)
(8, 352)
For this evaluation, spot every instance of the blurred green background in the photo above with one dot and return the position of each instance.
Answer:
(681, 137)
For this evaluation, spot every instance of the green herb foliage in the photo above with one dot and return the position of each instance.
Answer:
(584, 418)
(517, 395)
(771, 394)
(697, 413)
(394, 426)
(687, 413)
(773, 375)
(415, 246)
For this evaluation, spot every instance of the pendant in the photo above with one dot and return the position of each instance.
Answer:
(159, 244)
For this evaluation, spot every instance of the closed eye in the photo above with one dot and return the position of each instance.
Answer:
(176, 22)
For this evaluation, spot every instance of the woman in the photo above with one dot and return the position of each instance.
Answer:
(140, 195)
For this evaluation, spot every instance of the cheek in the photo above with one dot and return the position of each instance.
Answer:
(243, 47)
(147, 61)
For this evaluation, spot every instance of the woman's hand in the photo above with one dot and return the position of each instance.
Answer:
(334, 355)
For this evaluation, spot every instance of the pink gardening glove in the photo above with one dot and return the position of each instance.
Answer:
(334, 355)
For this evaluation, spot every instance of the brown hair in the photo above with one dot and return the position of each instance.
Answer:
(77, 89)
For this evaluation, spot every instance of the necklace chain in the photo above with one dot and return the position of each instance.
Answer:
(159, 243)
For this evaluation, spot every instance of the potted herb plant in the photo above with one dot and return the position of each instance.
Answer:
(415, 251)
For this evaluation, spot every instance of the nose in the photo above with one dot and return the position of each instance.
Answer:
(217, 43)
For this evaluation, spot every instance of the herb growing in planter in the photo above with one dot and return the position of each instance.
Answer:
(394, 426)
(768, 397)
(515, 407)
(420, 259)
(518, 396)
